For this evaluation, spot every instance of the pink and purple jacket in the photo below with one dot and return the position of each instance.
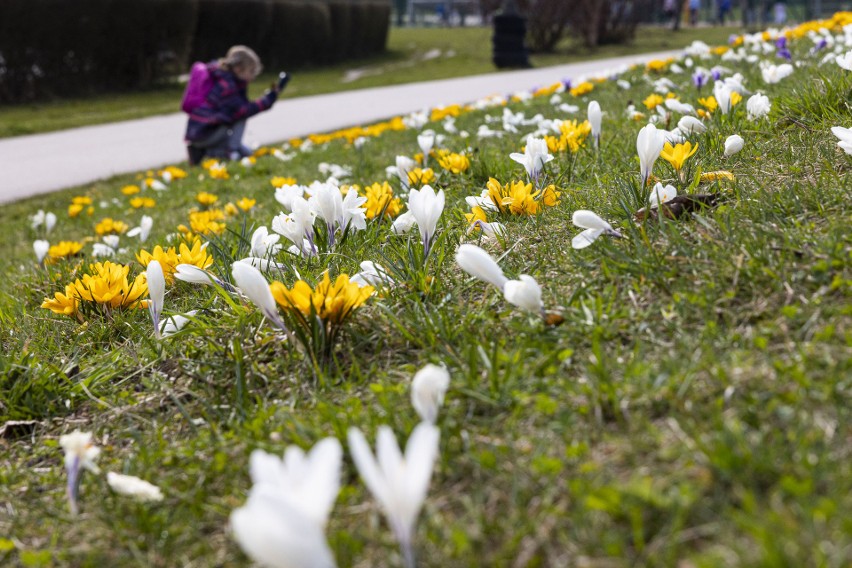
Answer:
(226, 103)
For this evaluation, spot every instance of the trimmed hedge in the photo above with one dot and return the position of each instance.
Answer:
(223, 23)
(56, 48)
(60, 47)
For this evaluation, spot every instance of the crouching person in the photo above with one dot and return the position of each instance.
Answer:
(217, 120)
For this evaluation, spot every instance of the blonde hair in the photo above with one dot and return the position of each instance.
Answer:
(241, 57)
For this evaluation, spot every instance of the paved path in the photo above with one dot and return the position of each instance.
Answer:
(41, 163)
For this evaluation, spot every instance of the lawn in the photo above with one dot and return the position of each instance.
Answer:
(680, 399)
(414, 54)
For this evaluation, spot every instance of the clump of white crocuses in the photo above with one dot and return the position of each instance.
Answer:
(43, 219)
(282, 525)
(80, 454)
(399, 482)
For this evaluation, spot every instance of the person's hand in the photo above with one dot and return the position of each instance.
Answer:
(283, 79)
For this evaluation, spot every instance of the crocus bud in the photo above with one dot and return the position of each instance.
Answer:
(479, 264)
(524, 293)
(427, 391)
(733, 144)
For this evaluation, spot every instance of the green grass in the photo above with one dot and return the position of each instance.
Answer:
(693, 409)
(403, 63)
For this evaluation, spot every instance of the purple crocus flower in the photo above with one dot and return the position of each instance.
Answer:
(784, 53)
(822, 44)
(732, 39)
(567, 83)
(781, 42)
(699, 79)
(717, 74)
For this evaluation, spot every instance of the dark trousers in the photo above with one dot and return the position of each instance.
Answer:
(226, 142)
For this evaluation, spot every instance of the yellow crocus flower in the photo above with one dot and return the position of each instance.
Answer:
(652, 101)
(677, 155)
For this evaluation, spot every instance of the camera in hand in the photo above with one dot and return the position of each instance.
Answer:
(283, 79)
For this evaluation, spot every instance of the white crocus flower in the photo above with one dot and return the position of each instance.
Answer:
(354, 215)
(595, 116)
(80, 454)
(41, 248)
(774, 73)
(372, 274)
(263, 244)
(310, 481)
(111, 241)
(100, 250)
(535, 156)
(426, 140)
(479, 264)
(404, 164)
(327, 203)
(661, 194)
(489, 230)
(722, 93)
(134, 487)
(428, 388)
(484, 131)
(173, 324)
(426, 206)
(403, 223)
(252, 283)
(524, 293)
(194, 275)
(691, 125)
(733, 144)
(675, 105)
(758, 106)
(262, 264)
(595, 227)
(282, 524)
(37, 219)
(287, 193)
(298, 225)
(156, 292)
(47, 219)
(845, 60)
(845, 137)
(143, 230)
(649, 144)
(398, 482)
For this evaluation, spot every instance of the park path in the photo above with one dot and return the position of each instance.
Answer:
(42, 163)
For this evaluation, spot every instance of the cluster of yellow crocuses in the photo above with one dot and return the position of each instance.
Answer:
(105, 287)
